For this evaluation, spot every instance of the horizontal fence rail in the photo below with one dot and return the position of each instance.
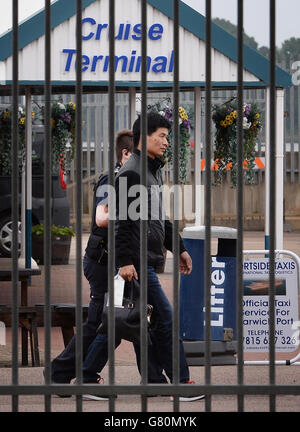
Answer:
(211, 389)
(94, 154)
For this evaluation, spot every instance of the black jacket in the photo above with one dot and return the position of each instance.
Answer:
(159, 228)
(97, 242)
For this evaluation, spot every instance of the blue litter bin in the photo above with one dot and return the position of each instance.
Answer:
(223, 286)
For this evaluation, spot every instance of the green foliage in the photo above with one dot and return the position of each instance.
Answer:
(56, 230)
(289, 53)
(6, 139)
(63, 136)
(265, 51)
(63, 133)
(290, 49)
(184, 136)
(225, 154)
(232, 29)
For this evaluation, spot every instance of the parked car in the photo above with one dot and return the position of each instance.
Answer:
(59, 199)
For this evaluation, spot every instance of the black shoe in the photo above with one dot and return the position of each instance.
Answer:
(59, 395)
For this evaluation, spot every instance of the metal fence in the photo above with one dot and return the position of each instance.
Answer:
(95, 135)
(95, 139)
(240, 389)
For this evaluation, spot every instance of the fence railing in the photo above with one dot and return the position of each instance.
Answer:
(109, 125)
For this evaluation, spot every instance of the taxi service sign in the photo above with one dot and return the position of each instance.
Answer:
(256, 305)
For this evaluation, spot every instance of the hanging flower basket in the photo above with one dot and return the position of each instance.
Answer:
(63, 134)
(6, 139)
(225, 154)
(184, 136)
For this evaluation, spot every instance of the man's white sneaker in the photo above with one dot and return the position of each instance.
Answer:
(189, 398)
(96, 397)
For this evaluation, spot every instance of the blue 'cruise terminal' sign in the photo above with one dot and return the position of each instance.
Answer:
(91, 30)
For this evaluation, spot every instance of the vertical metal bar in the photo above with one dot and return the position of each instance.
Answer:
(284, 146)
(15, 206)
(279, 167)
(298, 105)
(105, 136)
(111, 225)
(78, 127)
(207, 216)
(88, 159)
(240, 206)
(267, 170)
(97, 139)
(292, 129)
(47, 209)
(272, 196)
(28, 177)
(23, 214)
(143, 226)
(132, 106)
(198, 141)
(176, 202)
(259, 174)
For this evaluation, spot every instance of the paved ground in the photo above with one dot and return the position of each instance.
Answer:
(127, 374)
(63, 282)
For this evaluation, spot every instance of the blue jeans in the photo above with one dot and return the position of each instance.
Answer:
(159, 353)
(97, 355)
(95, 347)
(161, 334)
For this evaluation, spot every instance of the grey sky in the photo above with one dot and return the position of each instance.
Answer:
(256, 17)
(26, 9)
(256, 20)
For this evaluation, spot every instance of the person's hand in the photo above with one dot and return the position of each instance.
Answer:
(102, 215)
(128, 272)
(185, 263)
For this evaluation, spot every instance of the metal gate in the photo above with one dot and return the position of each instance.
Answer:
(240, 389)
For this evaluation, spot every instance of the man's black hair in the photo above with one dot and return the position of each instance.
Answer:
(154, 122)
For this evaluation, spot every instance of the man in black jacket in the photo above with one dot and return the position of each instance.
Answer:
(159, 235)
(95, 352)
